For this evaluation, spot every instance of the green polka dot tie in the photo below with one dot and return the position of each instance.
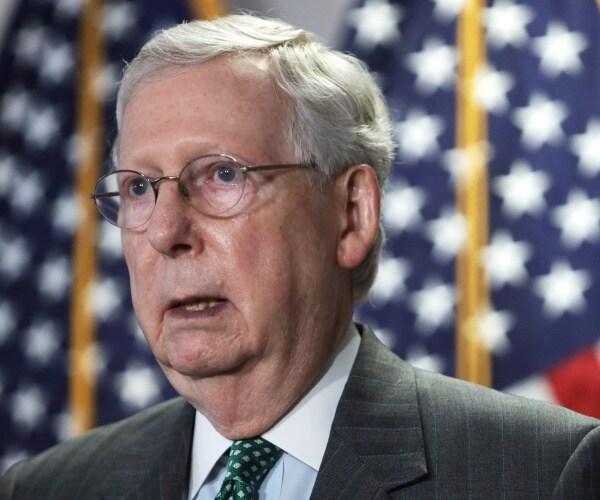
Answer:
(249, 462)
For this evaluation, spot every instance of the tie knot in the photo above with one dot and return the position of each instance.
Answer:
(249, 462)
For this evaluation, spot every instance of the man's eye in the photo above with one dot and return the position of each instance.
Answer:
(137, 187)
(224, 173)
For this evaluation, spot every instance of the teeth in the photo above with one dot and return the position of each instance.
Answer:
(200, 305)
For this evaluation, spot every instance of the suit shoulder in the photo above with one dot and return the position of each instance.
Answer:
(104, 448)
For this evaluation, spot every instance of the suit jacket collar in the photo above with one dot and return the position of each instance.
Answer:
(376, 443)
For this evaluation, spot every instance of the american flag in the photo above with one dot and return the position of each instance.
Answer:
(538, 83)
(40, 149)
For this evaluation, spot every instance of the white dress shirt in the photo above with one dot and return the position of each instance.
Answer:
(302, 434)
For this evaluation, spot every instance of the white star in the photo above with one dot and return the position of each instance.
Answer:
(11, 457)
(119, 19)
(54, 278)
(28, 193)
(106, 82)
(106, 297)
(504, 260)
(8, 321)
(402, 206)
(14, 257)
(434, 66)
(387, 337)
(433, 305)
(460, 162)
(447, 233)
(28, 406)
(420, 358)
(540, 121)
(559, 50)
(15, 109)
(65, 213)
(110, 241)
(68, 8)
(506, 23)
(42, 127)
(41, 342)
(447, 10)
(62, 425)
(376, 23)
(390, 281)
(578, 219)
(491, 87)
(133, 327)
(562, 289)
(138, 386)
(418, 135)
(493, 329)
(587, 147)
(29, 44)
(522, 190)
(57, 63)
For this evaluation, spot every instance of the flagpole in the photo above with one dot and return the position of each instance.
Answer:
(208, 9)
(90, 148)
(473, 360)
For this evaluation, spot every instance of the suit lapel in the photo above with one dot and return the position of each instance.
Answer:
(376, 443)
(158, 467)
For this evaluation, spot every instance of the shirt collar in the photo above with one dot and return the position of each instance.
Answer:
(303, 432)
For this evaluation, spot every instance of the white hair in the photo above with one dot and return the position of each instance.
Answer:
(337, 116)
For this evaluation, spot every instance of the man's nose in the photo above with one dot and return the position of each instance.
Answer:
(169, 229)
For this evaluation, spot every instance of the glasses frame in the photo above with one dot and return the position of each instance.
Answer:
(154, 182)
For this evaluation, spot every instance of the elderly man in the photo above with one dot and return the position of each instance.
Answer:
(250, 161)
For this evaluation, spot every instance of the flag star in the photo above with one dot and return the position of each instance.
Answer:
(138, 386)
(64, 213)
(43, 126)
(493, 331)
(587, 147)
(11, 457)
(434, 66)
(402, 206)
(14, 257)
(29, 44)
(15, 109)
(106, 82)
(459, 162)
(54, 278)
(119, 19)
(41, 342)
(504, 260)
(447, 10)
(387, 337)
(491, 87)
(559, 50)
(433, 306)
(506, 24)
(106, 297)
(418, 135)
(418, 357)
(376, 23)
(522, 190)
(578, 219)
(28, 193)
(8, 322)
(57, 63)
(540, 121)
(447, 233)
(562, 289)
(68, 8)
(62, 425)
(390, 281)
(110, 241)
(28, 406)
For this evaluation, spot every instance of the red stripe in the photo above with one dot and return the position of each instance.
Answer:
(576, 382)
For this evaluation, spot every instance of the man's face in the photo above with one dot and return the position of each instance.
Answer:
(258, 296)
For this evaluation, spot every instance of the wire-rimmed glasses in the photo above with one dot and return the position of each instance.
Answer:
(212, 184)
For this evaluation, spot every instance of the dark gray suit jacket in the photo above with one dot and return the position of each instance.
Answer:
(398, 432)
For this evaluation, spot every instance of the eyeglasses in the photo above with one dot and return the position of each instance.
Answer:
(212, 184)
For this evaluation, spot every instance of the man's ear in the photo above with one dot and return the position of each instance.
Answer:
(358, 191)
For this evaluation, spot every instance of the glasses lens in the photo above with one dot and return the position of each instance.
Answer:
(213, 184)
(125, 198)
